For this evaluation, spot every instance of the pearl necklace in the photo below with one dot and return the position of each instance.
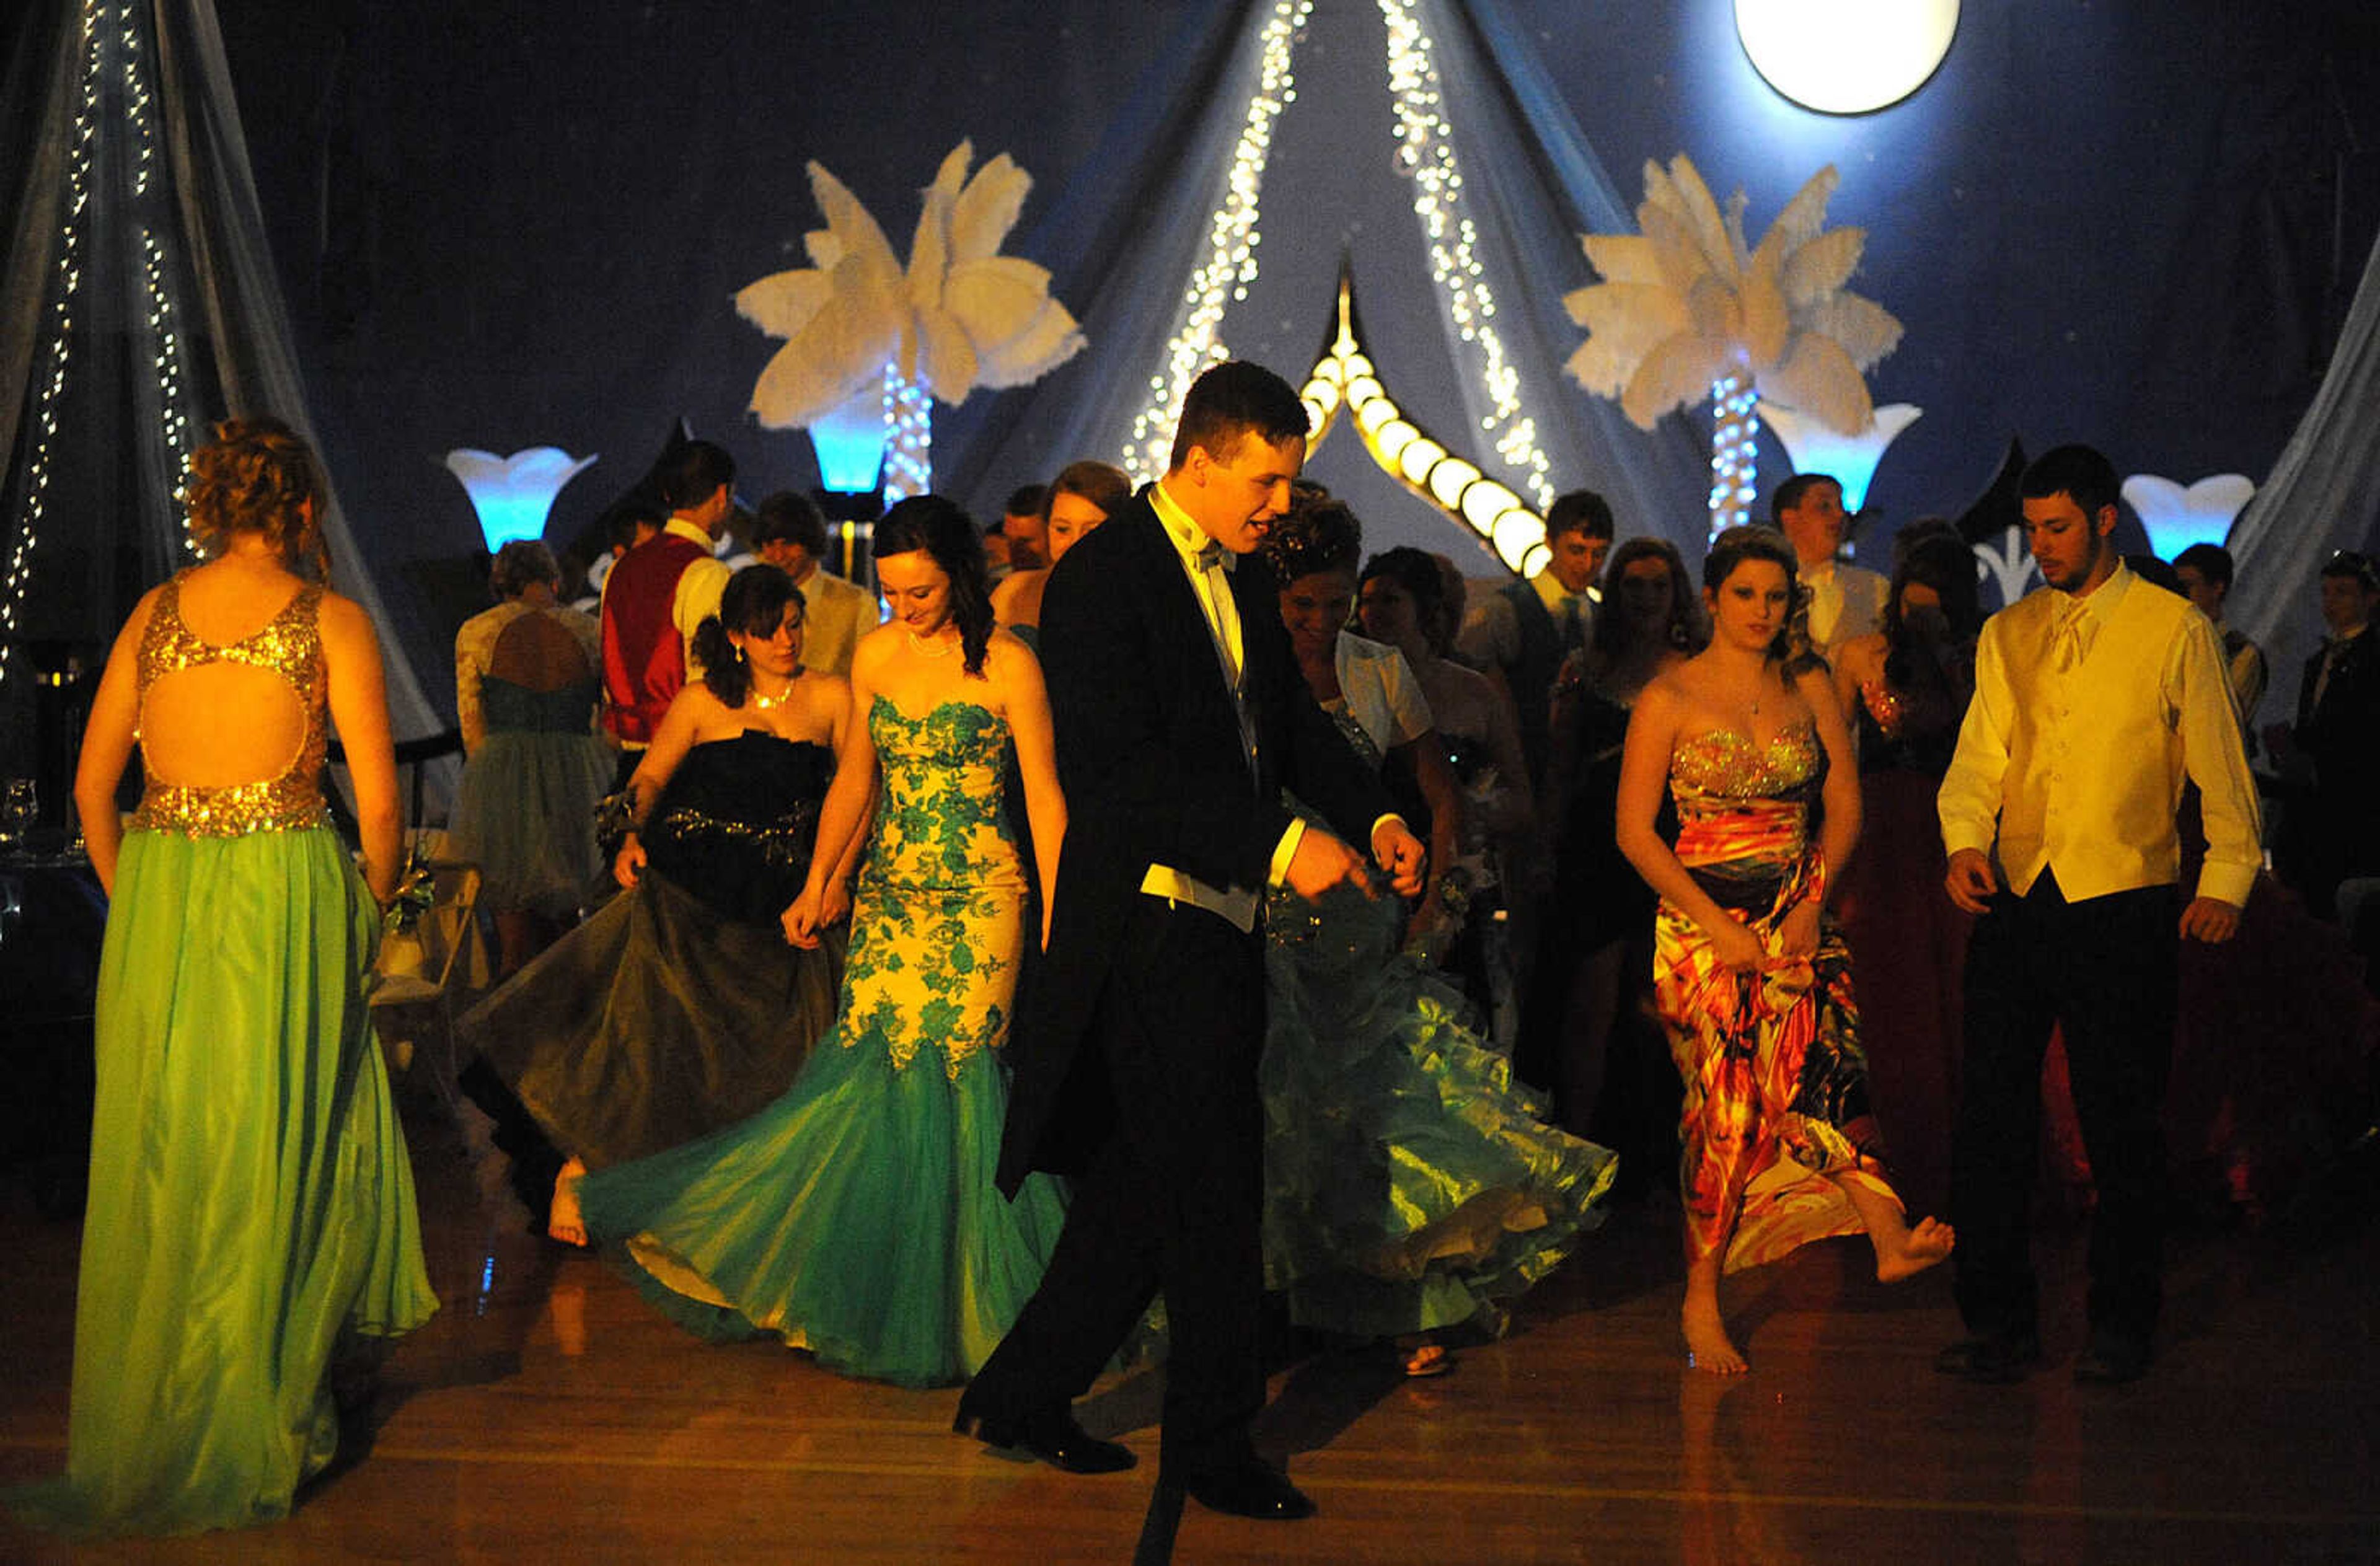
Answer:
(930, 647)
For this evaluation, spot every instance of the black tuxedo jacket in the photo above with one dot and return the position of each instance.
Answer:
(2342, 735)
(1151, 756)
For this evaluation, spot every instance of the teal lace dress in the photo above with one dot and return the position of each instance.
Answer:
(857, 1216)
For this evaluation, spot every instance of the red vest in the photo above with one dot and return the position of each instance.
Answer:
(644, 657)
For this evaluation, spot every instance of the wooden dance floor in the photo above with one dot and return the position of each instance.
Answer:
(546, 1415)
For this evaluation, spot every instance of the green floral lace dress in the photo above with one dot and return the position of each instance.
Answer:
(857, 1216)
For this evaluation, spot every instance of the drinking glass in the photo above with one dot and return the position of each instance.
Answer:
(19, 807)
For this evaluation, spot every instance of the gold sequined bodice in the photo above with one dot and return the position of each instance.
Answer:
(1720, 767)
(289, 645)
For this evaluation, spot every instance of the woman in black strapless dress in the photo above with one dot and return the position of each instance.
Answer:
(679, 1008)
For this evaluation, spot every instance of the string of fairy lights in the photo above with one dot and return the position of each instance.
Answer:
(174, 419)
(50, 385)
(1735, 451)
(1425, 153)
(1230, 265)
(909, 436)
(124, 64)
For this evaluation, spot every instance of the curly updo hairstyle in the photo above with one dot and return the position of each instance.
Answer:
(754, 604)
(1317, 534)
(949, 538)
(257, 476)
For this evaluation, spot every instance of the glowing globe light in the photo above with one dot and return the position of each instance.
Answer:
(1846, 56)
(514, 494)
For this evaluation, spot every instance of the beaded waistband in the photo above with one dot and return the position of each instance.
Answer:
(273, 804)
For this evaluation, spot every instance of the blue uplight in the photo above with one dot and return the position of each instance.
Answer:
(514, 495)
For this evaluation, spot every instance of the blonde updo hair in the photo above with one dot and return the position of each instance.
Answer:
(256, 476)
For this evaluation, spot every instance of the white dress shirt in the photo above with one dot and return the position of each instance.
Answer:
(1846, 601)
(699, 586)
(2089, 714)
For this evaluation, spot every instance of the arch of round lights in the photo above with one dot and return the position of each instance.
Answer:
(1232, 238)
(1345, 378)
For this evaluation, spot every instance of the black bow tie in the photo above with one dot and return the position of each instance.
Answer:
(1208, 555)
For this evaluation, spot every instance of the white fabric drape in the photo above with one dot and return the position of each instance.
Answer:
(2323, 496)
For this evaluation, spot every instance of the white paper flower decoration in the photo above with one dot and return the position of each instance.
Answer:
(959, 316)
(1687, 310)
(1687, 303)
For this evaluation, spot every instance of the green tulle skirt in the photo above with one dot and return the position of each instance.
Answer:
(1409, 1180)
(251, 1207)
(856, 1217)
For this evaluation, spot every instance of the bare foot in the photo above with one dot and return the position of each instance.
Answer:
(1914, 1250)
(562, 1221)
(1708, 1347)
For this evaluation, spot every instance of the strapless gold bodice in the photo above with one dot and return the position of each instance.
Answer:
(1720, 766)
(289, 645)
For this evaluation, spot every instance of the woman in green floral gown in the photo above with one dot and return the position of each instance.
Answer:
(857, 1216)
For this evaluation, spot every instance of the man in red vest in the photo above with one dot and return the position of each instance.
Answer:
(658, 592)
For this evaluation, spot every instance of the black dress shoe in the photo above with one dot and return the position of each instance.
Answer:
(2110, 1362)
(1053, 1436)
(1997, 1361)
(1249, 1487)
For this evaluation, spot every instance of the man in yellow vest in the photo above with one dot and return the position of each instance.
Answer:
(2095, 697)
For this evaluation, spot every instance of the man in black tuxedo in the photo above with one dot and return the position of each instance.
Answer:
(1181, 716)
(2331, 755)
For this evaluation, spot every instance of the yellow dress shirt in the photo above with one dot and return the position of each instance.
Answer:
(2074, 760)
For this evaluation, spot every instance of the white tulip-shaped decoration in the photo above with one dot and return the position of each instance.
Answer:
(1688, 310)
(859, 326)
(2178, 518)
(1849, 460)
(515, 494)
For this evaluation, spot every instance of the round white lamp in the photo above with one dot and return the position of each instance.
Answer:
(1846, 56)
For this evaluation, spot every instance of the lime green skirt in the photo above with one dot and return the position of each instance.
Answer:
(252, 1206)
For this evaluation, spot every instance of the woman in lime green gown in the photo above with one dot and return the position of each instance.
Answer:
(252, 1210)
(856, 1217)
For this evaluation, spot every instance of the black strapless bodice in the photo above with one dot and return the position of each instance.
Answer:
(737, 823)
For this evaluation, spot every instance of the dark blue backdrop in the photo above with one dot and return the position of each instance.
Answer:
(508, 224)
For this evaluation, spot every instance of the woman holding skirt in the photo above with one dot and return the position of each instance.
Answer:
(1753, 986)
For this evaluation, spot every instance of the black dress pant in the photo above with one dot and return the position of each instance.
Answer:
(2106, 969)
(1172, 1200)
